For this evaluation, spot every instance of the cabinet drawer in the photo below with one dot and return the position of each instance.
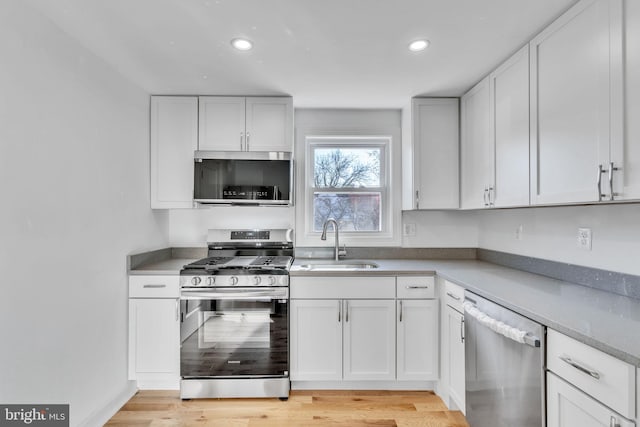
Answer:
(331, 287)
(598, 374)
(454, 295)
(415, 287)
(154, 286)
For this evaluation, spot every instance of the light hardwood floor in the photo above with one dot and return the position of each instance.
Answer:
(304, 408)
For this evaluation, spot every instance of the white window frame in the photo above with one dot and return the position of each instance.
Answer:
(313, 142)
(348, 123)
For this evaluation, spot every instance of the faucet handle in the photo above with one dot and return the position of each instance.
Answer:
(343, 251)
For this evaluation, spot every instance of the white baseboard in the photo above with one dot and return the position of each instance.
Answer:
(100, 416)
(363, 385)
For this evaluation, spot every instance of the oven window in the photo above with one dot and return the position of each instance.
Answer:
(231, 338)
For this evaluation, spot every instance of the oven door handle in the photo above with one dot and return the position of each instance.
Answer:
(236, 294)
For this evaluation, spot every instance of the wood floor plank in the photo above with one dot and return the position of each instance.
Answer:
(307, 408)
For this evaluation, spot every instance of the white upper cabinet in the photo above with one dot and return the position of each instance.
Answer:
(230, 123)
(174, 138)
(627, 179)
(435, 151)
(476, 148)
(509, 125)
(576, 103)
(269, 125)
(221, 123)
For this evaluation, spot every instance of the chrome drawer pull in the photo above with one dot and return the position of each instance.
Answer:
(416, 287)
(455, 297)
(154, 286)
(579, 367)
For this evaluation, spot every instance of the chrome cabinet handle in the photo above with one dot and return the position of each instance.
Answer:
(401, 310)
(339, 311)
(611, 169)
(416, 287)
(599, 182)
(613, 422)
(455, 297)
(241, 135)
(417, 199)
(490, 193)
(462, 330)
(246, 145)
(154, 286)
(346, 311)
(177, 309)
(573, 363)
(485, 196)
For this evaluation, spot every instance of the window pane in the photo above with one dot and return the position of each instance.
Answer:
(346, 167)
(353, 211)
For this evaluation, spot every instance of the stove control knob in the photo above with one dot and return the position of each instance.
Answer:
(196, 281)
(233, 280)
(272, 281)
(256, 280)
(211, 281)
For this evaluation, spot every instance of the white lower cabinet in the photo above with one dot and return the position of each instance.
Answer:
(316, 340)
(333, 340)
(369, 340)
(568, 406)
(154, 332)
(417, 347)
(353, 329)
(455, 334)
(586, 387)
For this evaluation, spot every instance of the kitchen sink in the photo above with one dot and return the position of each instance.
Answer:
(338, 266)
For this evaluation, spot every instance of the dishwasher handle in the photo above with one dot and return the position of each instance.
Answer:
(500, 327)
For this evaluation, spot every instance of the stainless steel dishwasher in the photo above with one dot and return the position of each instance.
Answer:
(504, 366)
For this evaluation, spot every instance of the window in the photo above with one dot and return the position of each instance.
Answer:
(348, 181)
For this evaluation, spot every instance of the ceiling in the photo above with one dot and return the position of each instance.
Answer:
(325, 53)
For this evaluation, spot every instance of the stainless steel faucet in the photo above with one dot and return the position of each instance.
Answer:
(338, 252)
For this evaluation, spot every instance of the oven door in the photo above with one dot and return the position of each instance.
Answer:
(234, 333)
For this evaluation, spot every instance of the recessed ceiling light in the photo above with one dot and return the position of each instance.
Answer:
(418, 45)
(241, 44)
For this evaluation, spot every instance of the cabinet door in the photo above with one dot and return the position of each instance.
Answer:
(174, 138)
(567, 406)
(316, 340)
(417, 348)
(455, 334)
(476, 147)
(154, 341)
(627, 179)
(222, 123)
(269, 124)
(369, 340)
(435, 151)
(509, 86)
(574, 112)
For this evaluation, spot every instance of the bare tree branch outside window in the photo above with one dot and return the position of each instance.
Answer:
(336, 172)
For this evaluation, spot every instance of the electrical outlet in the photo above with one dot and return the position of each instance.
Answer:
(519, 232)
(409, 229)
(584, 238)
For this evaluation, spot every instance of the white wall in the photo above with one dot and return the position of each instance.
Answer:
(188, 227)
(551, 233)
(441, 229)
(74, 188)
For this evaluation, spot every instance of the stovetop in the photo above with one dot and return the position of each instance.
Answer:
(254, 263)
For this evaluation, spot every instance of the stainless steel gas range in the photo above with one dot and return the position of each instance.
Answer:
(235, 315)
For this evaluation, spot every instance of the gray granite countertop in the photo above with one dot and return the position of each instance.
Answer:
(604, 320)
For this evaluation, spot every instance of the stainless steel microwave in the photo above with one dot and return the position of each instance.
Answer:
(243, 178)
